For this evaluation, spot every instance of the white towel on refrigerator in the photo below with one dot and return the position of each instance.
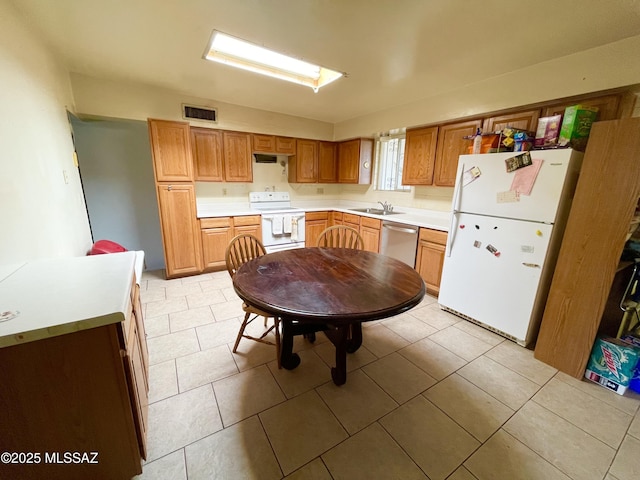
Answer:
(276, 225)
(286, 224)
(294, 229)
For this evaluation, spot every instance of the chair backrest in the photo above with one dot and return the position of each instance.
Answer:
(341, 236)
(241, 249)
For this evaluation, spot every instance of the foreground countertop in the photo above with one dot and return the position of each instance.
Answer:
(63, 295)
(417, 217)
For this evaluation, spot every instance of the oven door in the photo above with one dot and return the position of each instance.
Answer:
(277, 231)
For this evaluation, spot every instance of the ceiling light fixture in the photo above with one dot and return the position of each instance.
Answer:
(238, 53)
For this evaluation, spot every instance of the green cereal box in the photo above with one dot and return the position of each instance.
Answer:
(576, 126)
(612, 363)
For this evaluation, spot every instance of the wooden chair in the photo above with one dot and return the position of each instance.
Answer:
(341, 236)
(240, 250)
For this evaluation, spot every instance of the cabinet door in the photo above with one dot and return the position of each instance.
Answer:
(312, 231)
(314, 224)
(354, 161)
(451, 145)
(134, 369)
(348, 154)
(171, 151)
(182, 251)
(263, 143)
(371, 239)
(237, 157)
(214, 246)
(303, 167)
(430, 258)
(206, 146)
(285, 145)
(327, 163)
(523, 120)
(370, 230)
(607, 107)
(419, 156)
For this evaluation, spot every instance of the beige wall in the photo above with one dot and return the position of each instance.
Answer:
(103, 98)
(41, 214)
(610, 66)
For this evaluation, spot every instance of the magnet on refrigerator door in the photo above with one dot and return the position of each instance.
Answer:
(470, 175)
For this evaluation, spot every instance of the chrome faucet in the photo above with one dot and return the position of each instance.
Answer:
(386, 207)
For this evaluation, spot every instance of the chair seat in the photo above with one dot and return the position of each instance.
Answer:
(255, 310)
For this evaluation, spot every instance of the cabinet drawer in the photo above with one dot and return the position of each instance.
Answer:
(434, 236)
(311, 216)
(215, 222)
(351, 218)
(370, 222)
(246, 220)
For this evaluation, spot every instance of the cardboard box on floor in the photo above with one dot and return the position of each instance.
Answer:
(612, 364)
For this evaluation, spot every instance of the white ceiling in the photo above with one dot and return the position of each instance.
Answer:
(394, 51)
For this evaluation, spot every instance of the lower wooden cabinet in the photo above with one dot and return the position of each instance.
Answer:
(180, 235)
(85, 391)
(370, 229)
(314, 225)
(430, 258)
(217, 232)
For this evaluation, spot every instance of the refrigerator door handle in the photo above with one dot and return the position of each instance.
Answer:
(455, 211)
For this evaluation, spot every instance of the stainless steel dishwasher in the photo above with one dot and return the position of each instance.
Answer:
(399, 241)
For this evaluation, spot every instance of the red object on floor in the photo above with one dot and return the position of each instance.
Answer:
(106, 246)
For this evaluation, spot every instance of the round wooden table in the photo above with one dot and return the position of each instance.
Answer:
(328, 289)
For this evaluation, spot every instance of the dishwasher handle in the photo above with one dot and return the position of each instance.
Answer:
(400, 229)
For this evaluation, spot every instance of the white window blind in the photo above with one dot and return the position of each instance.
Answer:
(390, 160)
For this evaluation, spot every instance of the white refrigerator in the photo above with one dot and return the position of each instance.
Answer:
(505, 234)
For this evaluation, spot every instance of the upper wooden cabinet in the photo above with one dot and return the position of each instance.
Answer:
(419, 156)
(522, 120)
(263, 143)
(273, 144)
(303, 166)
(607, 107)
(327, 162)
(451, 144)
(355, 161)
(171, 150)
(285, 145)
(237, 157)
(207, 150)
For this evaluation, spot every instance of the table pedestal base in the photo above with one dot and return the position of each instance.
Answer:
(346, 339)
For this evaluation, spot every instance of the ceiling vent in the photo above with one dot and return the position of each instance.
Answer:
(199, 113)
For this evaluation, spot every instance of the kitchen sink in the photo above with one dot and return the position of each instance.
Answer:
(373, 211)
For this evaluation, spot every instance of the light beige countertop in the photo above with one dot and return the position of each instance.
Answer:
(63, 295)
(417, 217)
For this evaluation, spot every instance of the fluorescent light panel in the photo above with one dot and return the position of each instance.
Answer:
(233, 51)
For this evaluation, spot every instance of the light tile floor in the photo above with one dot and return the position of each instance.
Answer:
(428, 396)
